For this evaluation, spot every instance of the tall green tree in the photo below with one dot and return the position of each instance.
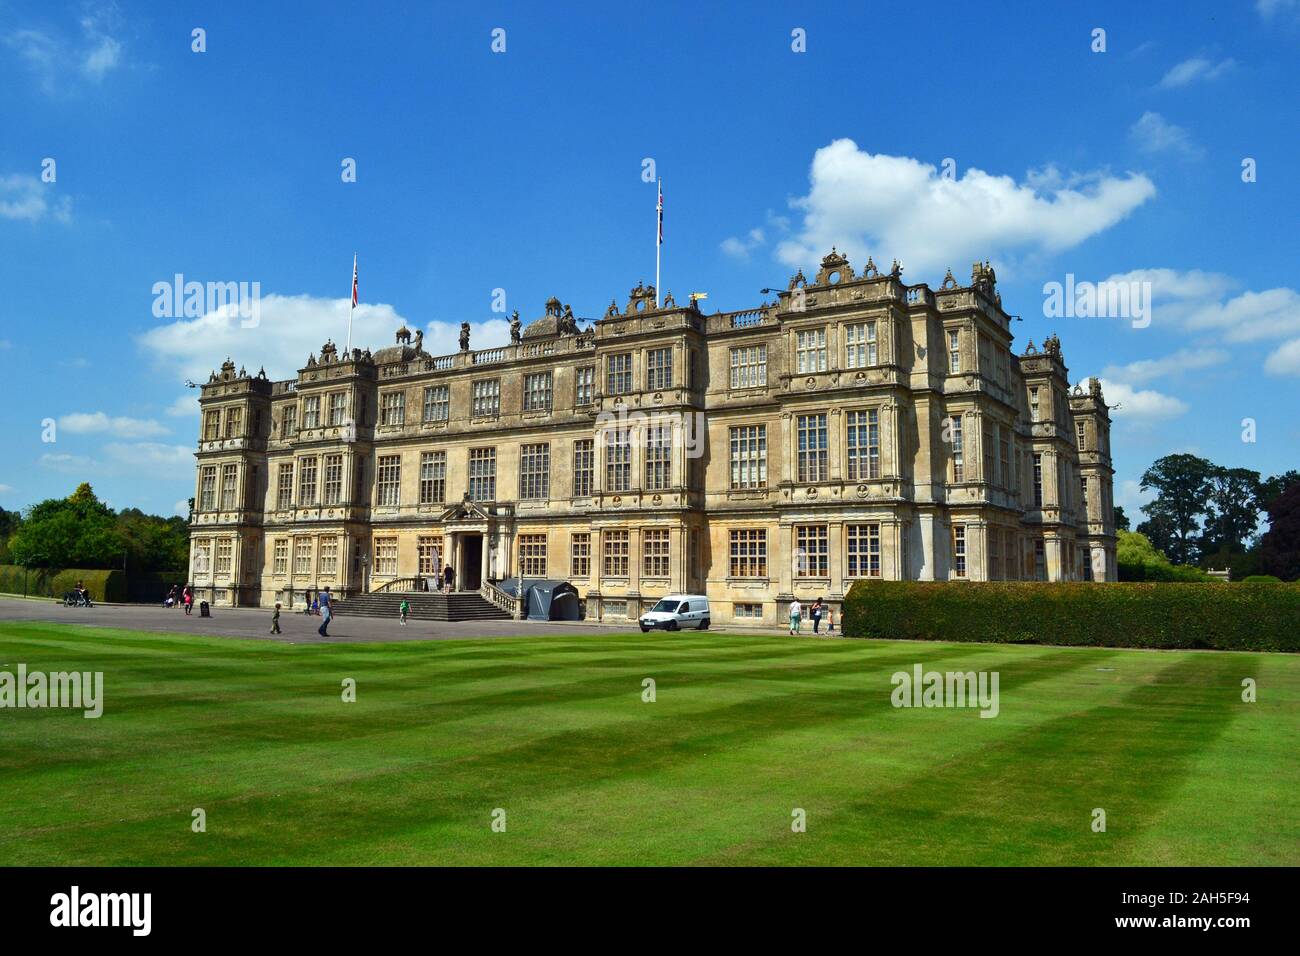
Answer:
(9, 522)
(1121, 519)
(1279, 549)
(79, 531)
(1271, 488)
(1232, 512)
(1182, 487)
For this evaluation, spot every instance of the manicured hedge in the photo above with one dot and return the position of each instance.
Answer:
(150, 587)
(1220, 616)
(53, 582)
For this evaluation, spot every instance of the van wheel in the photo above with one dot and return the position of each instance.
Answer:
(644, 628)
(672, 625)
(704, 624)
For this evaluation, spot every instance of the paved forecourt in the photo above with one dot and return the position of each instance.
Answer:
(298, 628)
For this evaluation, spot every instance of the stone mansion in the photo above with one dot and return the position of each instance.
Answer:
(858, 427)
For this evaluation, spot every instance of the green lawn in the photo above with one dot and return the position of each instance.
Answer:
(554, 730)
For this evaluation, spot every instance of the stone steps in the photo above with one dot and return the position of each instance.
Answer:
(462, 606)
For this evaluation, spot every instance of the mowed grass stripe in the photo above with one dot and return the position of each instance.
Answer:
(719, 793)
(353, 765)
(553, 728)
(1028, 800)
(317, 719)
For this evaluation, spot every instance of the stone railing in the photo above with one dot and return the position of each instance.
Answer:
(740, 320)
(748, 318)
(919, 295)
(488, 356)
(494, 595)
(410, 584)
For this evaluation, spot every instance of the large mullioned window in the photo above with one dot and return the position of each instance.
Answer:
(748, 552)
(618, 461)
(813, 448)
(535, 471)
(810, 350)
(389, 474)
(433, 477)
(749, 366)
(862, 444)
(483, 474)
(748, 456)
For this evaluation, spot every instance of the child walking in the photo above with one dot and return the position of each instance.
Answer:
(275, 619)
(403, 610)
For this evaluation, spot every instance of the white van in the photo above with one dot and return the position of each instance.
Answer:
(677, 611)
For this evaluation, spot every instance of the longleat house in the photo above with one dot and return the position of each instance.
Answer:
(858, 427)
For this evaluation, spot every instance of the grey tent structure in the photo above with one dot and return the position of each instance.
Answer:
(546, 600)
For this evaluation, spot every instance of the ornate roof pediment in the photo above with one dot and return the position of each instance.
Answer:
(467, 511)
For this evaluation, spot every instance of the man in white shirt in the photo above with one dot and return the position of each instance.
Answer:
(796, 616)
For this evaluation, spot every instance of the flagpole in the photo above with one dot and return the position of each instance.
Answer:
(352, 304)
(659, 236)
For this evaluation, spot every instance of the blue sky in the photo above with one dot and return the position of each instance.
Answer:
(522, 171)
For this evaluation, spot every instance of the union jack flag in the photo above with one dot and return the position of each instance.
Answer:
(354, 281)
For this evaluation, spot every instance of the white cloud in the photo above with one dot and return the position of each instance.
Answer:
(98, 423)
(66, 463)
(101, 58)
(1141, 406)
(57, 59)
(1171, 285)
(181, 508)
(1251, 316)
(1284, 361)
(1268, 9)
(1196, 68)
(6, 489)
(741, 248)
(1184, 360)
(1129, 495)
(1154, 134)
(289, 329)
(153, 458)
(184, 406)
(26, 197)
(896, 206)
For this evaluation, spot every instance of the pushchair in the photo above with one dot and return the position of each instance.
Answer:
(77, 599)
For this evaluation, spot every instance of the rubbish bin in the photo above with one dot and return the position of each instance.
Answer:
(203, 609)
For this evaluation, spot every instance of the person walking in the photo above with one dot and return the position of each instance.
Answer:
(448, 577)
(816, 613)
(796, 616)
(326, 612)
(830, 619)
(404, 609)
(189, 600)
(275, 619)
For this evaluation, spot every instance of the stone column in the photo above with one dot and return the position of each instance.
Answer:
(449, 555)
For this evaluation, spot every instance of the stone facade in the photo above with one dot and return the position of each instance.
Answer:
(856, 427)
